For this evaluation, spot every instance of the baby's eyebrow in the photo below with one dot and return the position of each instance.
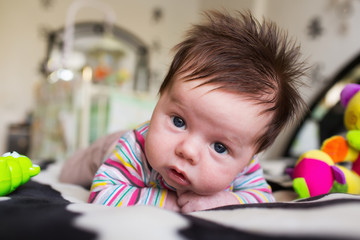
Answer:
(234, 140)
(175, 99)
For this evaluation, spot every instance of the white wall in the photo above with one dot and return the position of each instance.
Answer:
(22, 47)
(330, 51)
(18, 61)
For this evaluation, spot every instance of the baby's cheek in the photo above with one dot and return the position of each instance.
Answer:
(151, 149)
(218, 180)
(158, 149)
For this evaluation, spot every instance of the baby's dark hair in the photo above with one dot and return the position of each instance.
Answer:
(239, 54)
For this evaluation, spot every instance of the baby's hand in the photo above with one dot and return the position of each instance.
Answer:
(171, 202)
(191, 202)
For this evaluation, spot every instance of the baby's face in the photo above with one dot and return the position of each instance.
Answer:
(199, 139)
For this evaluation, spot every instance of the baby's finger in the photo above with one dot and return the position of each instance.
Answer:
(183, 199)
(187, 208)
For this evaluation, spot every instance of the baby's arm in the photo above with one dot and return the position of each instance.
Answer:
(120, 181)
(251, 186)
(191, 202)
(114, 185)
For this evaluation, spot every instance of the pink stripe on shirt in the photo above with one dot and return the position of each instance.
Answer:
(134, 197)
(254, 168)
(116, 195)
(130, 153)
(127, 174)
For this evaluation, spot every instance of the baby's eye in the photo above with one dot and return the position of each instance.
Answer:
(178, 122)
(219, 148)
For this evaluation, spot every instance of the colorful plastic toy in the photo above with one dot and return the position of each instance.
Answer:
(317, 171)
(15, 170)
(343, 149)
(347, 149)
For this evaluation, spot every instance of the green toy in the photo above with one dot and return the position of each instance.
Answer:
(15, 170)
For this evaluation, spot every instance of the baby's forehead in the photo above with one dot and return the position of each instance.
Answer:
(243, 93)
(253, 91)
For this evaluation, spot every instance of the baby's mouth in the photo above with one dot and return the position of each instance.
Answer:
(178, 176)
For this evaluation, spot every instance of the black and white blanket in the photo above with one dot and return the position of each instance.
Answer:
(44, 208)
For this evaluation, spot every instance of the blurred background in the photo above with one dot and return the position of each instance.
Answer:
(73, 71)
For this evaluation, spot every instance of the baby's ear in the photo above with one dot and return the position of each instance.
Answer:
(339, 175)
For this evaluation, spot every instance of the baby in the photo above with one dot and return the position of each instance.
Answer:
(230, 90)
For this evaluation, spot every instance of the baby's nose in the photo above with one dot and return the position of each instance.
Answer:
(188, 149)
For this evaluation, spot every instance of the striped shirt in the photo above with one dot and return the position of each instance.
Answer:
(125, 178)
